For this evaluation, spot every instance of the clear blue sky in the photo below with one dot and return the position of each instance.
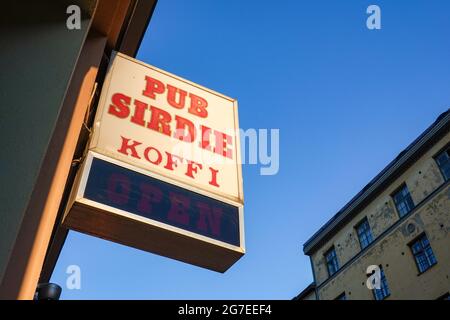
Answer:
(346, 99)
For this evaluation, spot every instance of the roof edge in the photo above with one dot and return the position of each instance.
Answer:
(305, 292)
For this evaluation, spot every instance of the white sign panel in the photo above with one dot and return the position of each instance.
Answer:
(170, 126)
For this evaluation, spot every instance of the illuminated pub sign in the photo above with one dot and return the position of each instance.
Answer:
(163, 170)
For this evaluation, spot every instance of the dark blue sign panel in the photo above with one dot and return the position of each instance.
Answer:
(151, 198)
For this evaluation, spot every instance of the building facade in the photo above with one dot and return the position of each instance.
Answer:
(396, 228)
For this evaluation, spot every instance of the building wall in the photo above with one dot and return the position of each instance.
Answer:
(392, 249)
(37, 59)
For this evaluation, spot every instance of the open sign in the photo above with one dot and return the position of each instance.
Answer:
(154, 199)
(124, 204)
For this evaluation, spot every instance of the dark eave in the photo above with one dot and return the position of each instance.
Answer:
(136, 26)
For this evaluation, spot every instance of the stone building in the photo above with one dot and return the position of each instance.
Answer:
(397, 225)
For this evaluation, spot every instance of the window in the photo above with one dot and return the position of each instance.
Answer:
(403, 201)
(423, 254)
(443, 161)
(383, 292)
(332, 262)
(341, 297)
(364, 233)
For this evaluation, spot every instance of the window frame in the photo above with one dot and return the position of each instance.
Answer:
(420, 237)
(393, 197)
(335, 265)
(369, 229)
(441, 151)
